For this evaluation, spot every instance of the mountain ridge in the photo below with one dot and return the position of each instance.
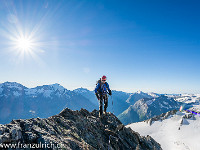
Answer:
(147, 108)
(18, 101)
(75, 130)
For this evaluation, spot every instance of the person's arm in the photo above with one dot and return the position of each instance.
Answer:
(96, 93)
(97, 87)
(110, 92)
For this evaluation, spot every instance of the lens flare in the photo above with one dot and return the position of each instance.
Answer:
(181, 108)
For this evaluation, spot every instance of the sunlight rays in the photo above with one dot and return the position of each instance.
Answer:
(23, 43)
(27, 35)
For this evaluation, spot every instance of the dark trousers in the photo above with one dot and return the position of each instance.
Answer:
(103, 99)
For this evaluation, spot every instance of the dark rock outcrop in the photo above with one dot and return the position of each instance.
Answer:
(161, 117)
(74, 130)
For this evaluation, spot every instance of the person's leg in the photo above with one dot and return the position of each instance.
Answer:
(105, 103)
(100, 106)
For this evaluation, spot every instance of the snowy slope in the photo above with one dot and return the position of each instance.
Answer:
(167, 132)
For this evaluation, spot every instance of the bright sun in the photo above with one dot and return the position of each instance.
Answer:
(24, 44)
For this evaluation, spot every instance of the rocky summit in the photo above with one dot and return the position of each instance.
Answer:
(73, 130)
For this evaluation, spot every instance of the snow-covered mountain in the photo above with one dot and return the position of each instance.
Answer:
(18, 101)
(146, 108)
(188, 98)
(134, 97)
(9, 89)
(154, 94)
(179, 131)
(87, 94)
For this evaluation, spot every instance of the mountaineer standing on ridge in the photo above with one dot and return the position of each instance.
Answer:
(101, 91)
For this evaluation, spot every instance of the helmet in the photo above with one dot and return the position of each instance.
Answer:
(103, 77)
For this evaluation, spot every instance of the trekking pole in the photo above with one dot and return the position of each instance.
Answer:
(112, 104)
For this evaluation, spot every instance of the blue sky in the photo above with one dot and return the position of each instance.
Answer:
(138, 44)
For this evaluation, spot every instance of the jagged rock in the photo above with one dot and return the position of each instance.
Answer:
(5, 138)
(161, 117)
(149, 122)
(2, 130)
(76, 130)
(30, 136)
(188, 115)
(184, 121)
(16, 133)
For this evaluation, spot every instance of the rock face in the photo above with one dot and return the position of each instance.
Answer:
(161, 117)
(74, 130)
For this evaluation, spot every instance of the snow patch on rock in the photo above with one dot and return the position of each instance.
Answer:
(58, 87)
(31, 91)
(16, 93)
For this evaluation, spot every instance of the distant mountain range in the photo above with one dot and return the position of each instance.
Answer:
(20, 102)
(134, 97)
(147, 108)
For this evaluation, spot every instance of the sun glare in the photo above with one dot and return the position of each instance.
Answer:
(24, 44)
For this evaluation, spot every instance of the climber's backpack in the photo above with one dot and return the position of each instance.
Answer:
(99, 82)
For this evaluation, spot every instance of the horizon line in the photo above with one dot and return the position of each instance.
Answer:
(72, 89)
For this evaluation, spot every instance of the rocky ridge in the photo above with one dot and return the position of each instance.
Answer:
(161, 117)
(74, 130)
